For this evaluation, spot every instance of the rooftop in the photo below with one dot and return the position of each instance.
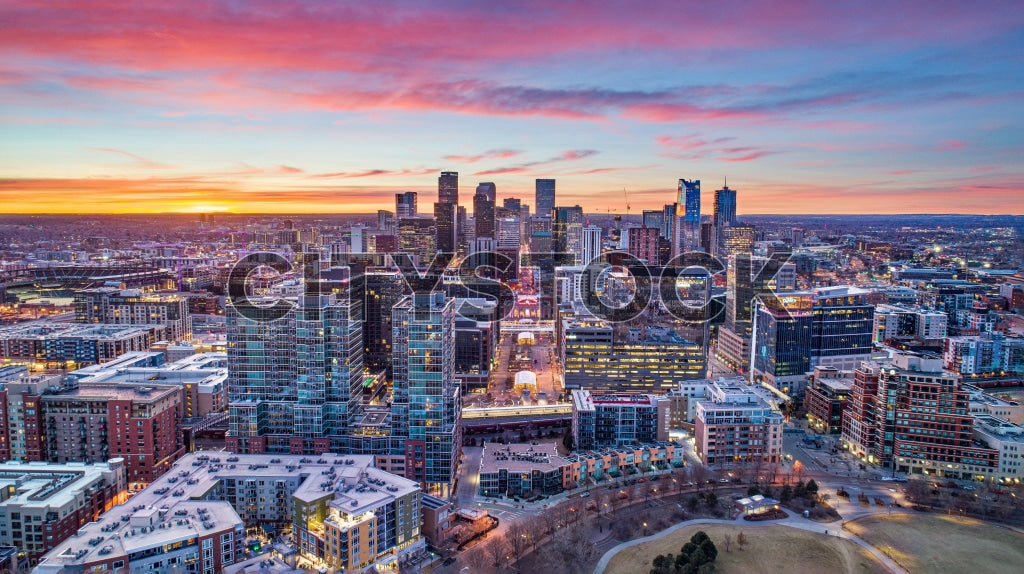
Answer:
(40, 484)
(520, 457)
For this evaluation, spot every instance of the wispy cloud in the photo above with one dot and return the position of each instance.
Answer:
(141, 161)
(567, 155)
(489, 154)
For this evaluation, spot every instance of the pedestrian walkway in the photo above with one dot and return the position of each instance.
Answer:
(793, 521)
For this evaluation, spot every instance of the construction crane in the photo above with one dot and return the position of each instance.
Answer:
(626, 195)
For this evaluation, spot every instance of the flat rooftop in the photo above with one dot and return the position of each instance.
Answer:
(171, 508)
(520, 457)
(45, 485)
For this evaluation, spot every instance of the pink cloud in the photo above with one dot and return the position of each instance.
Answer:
(490, 154)
(951, 145)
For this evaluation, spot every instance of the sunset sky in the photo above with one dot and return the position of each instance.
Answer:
(253, 106)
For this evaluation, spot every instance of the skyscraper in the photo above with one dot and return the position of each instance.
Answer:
(445, 214)
(725, 215)
(567, 230)
(545, 199)
(642, 243)
(483, 210)
(689, 196)
(426, 398)
(405, 204)
(294, 383)
(591, 249)
(725, 206)
(489, 189)
(448, 187)
(418, 236)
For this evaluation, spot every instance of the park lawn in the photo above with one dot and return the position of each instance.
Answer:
(770, 548)
(939, 543)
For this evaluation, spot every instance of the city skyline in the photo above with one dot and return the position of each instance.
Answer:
(309, 107)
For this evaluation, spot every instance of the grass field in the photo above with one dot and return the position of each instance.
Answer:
(770, 548)
(937, 543)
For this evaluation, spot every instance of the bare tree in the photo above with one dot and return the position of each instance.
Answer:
(497, 550)
(517, 538)
(476, 559)
(699, 473)
(728, 541)
(741, 540)
(550, 518)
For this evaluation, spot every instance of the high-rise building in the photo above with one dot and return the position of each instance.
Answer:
(829, 327)
(417, 236)
(545, 196)
(512, 203)
(405, 205)
(643, 244)
(427, 402)
(567, 230)
(445, 214)
(507, 229)
(782, 339)
(329, 370)
(689, 197)
(591, 246)
(737, 239)
(911, 416)
(384, 289)
(656, 219)
(112, 305)
(294, 383)
(724, 217)
(725, 207)
(448, 187)
(483, 211)
(97, 422)
(842, 327)
(489, 189)
(385, 221)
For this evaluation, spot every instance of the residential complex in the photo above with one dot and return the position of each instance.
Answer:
(344, 512)
(600, 420)
(737, 427)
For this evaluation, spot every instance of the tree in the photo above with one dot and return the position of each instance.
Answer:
(567, 440)
(709, 550)
(798, 470)
(786, 494)
(728, 541)
(753, 490)
(812, 488)
(497, 550)
(699, 537)
(800, 490)
(699, 474)
(741, 540)
(691, 502)
(475, 559)
(711, 499)
(517, 538)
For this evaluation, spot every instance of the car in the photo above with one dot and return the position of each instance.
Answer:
(585, 494)
(968, 487)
